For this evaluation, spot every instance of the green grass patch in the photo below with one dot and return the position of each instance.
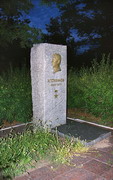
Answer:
(15, 96)
(92, 89)
(18, 152)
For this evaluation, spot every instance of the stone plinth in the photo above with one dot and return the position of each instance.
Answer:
(49, 83)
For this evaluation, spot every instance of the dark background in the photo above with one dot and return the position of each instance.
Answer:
(85, 26)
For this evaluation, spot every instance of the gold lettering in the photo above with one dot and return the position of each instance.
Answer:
(55, 80)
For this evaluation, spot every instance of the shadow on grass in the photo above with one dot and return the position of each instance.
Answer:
(2, 177)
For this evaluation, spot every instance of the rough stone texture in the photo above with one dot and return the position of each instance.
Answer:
(48, 88)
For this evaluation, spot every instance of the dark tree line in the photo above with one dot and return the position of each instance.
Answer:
(16, 36)
(92, 21)
(89, 20)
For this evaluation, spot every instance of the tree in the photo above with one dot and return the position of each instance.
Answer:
(16, 36)
(91, 20)
(13, 27)
(53, 1)
(100, 24)
(58, 34)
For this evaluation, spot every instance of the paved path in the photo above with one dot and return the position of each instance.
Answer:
(97, 164)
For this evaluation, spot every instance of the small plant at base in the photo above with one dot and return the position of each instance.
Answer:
(18, 152)
(65, 150)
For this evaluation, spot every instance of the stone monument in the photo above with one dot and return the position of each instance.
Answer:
(49, 84)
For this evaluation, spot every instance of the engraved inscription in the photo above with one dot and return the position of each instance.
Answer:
(56, 61)
(59, 84)
(55, 80)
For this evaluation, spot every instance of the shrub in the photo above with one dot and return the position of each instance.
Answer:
(15, 96)
(92, 88)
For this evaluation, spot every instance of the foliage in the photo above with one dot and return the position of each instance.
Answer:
(12, 8)
(59, 34)
(50, 2)
(65, 150)
(90, 21)
(92, 89)
(13, 26)
(15, 96)
(19, 152)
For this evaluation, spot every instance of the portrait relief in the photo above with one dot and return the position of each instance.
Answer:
(56, 61)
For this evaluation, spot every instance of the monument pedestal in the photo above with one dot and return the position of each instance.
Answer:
(49, 84)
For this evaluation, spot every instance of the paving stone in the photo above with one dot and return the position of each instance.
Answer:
(49, 172)
(25, 177)
(61, 177)
(43, 173)
(107, 149)
(96, 167)
(80, 159)
(77, 174)
(102, 156)
(109, 174)
(111, 139)
(61, 169)
(101, 178)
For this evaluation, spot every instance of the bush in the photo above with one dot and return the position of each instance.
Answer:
(92, 88)
(15, 96)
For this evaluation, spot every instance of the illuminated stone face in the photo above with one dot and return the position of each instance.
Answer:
(56, 61)
(49, 84)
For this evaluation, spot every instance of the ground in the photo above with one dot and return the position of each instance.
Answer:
(84, 115)
(74, 113)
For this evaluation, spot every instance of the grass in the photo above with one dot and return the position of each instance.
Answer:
(15, 96)
(92, 90)
(89, 89)
(18, 152)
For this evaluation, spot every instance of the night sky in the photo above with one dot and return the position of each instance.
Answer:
(41, 14)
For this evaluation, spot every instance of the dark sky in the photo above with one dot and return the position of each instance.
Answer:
(41, 14)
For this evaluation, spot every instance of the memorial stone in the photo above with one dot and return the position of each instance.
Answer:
(49, 84)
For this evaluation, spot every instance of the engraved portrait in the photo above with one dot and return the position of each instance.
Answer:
(56, 61)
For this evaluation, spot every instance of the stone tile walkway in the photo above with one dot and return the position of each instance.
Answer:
(96, 164)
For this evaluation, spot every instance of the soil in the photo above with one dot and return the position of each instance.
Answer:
(83, 115)
(8, 124)
(73, 113)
